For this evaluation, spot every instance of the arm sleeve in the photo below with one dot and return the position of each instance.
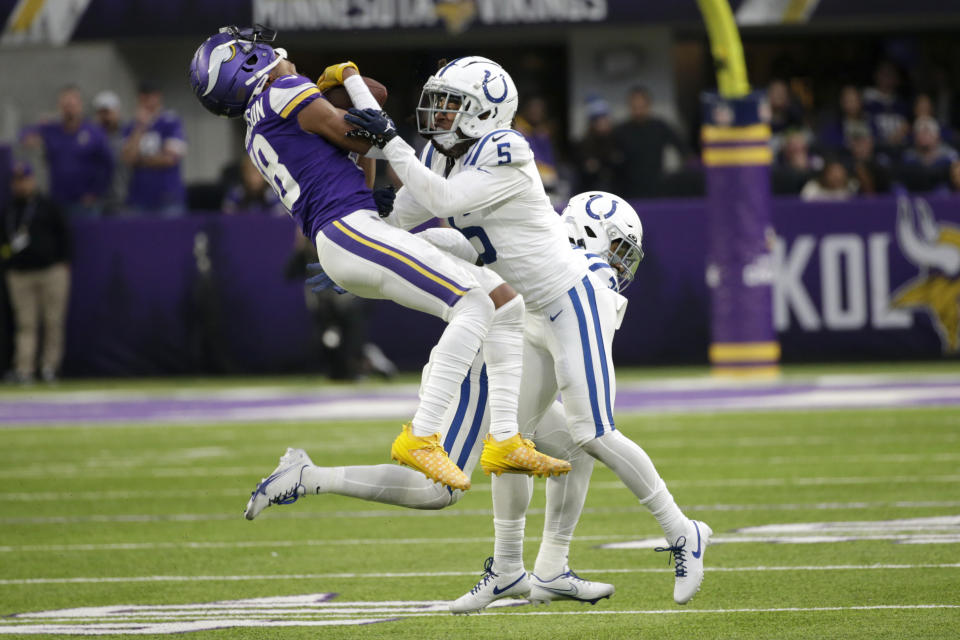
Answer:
(407, 211)
(476, 188)
(451, 241)
(359, 93)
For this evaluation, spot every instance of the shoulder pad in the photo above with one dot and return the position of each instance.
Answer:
(428, 155)
(287, 92)
(503, 146)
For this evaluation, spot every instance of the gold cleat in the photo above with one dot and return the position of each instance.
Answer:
(427, 456)
(518, 455)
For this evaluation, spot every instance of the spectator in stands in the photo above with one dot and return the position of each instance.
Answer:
(835, 135)
(252, 195)
(77, 156)
(642, 141)
(923, 107)
(534, 123)
(153, 148)
(888, 112)
(928, 150)
(786, 114)
(35, 249)
(870, 169)
(795, 164)
(832, 183)
(597, 155)
(106, 105)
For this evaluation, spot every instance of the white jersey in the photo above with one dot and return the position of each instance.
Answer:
(494, 196)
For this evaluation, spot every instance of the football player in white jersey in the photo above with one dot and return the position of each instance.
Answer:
(479, 175)
(466, 423)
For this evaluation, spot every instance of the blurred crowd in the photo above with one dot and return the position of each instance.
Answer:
(874, 139)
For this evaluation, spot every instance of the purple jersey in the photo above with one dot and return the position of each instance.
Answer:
(316, 180)
(152, 188)
(80, 162)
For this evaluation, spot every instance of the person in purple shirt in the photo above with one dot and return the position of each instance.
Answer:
(153, 148)
(77, 155)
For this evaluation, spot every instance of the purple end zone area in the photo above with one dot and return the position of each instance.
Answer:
(265, 405)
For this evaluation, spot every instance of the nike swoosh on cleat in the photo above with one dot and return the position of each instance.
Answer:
(496, 138)
(554, 316)
(497, 591)
(696, 554)
(569, 591)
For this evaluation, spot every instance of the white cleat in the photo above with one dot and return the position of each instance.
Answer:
(687, 554)
(568, 586)
(492, 586)
(283, 486)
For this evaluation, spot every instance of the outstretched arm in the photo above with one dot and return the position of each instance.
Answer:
(324, 119)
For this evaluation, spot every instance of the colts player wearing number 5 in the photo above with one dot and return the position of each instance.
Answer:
(480, 175)
(296, 139)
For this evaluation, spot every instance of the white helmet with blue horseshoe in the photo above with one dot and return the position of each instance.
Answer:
(605, 224)
(477, 92)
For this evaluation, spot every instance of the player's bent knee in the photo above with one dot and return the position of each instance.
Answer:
(476, 304)
(588, 440)
(441, 497)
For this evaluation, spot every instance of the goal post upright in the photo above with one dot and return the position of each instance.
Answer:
(736, 159)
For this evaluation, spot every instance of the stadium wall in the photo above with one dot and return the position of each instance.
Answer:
(863, 280)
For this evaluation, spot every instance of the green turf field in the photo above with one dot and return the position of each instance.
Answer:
(151, 515)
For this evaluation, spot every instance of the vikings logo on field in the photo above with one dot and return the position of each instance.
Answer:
(935, 249)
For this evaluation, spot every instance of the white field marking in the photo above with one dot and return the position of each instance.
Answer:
(931, 530)
(95, 465)
(653, 543)
(455, 512)
(443, 574)
(268, 544)
(221, 623)
(935, 523)
(93, 471)
(244, 544)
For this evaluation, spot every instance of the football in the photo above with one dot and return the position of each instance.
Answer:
(339, 97)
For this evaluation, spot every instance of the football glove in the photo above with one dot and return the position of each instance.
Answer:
(320, 281)
(333, 75)
(384, 199)
(376, 127)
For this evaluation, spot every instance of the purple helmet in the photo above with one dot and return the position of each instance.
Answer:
(231, 67)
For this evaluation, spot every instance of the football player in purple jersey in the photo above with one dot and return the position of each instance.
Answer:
(297, 139)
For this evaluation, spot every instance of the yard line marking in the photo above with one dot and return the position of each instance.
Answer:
(919, 525)
(441, 574)
(84, 626)
(457, 512)
(267, 544)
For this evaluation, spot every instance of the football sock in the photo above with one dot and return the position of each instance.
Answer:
(503, 354)
(511, 496)
(386, 483)
(450, 360)
(635, 469)
(565, 497)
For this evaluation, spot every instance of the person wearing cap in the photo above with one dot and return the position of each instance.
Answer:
(106, 109)
(153, 149)
(35, 250)
(77, 156)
